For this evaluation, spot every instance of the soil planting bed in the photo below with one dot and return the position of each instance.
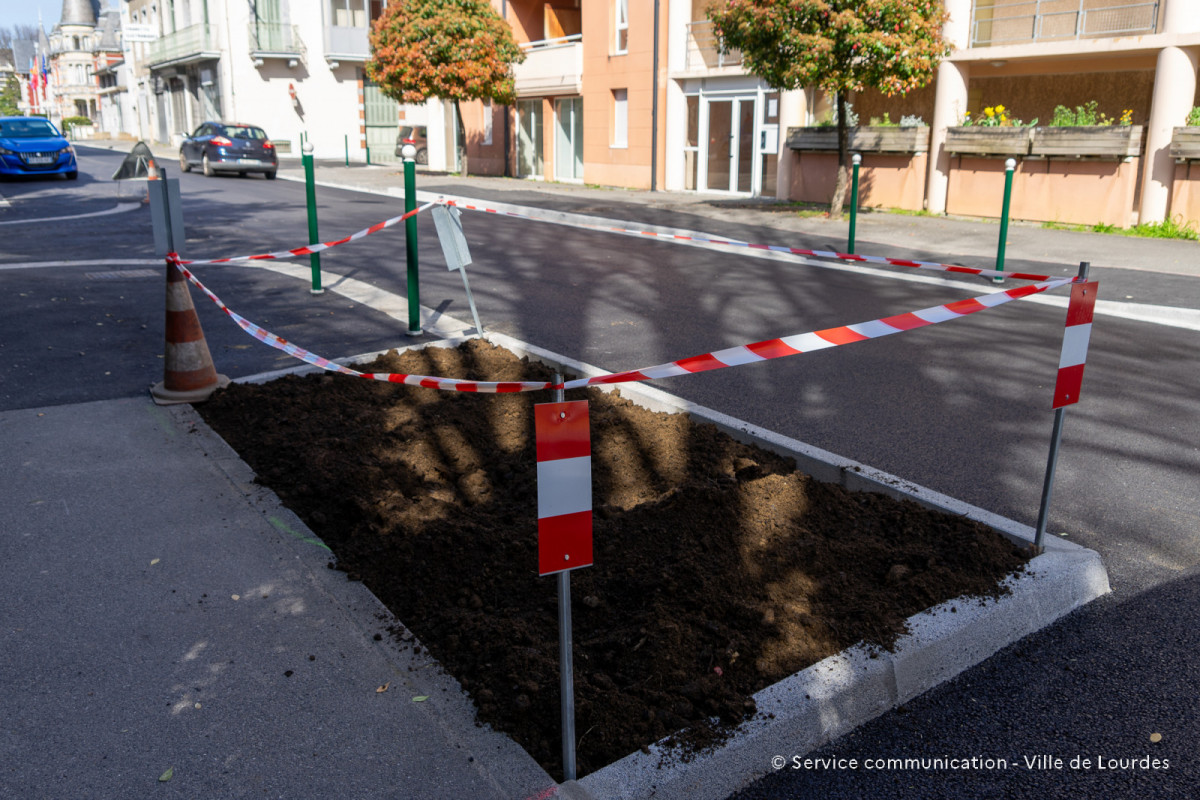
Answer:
(719, 568)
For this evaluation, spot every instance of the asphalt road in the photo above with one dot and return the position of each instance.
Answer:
(963, 408)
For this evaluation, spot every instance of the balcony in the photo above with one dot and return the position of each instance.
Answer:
(702, 51)
(275, 40)
(551, 67)
(344, 43)
(996, 22)
(187, 46)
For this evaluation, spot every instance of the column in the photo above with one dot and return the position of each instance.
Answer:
(950, 102)
(793, 112)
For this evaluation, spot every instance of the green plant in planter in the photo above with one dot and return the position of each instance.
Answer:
(996, 116)
(906, 121)
(1086, 116)
(1193, 117)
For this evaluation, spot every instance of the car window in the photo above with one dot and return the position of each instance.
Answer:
(29, 128)
(199, 132)
(245, 132)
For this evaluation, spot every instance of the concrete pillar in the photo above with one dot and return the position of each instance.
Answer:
(950, 102)
(1174, 91)
(1181, 16)
(793, 112)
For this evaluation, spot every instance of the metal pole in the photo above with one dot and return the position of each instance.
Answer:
(409, 152)
(1009, 166)
(857, 159)
(310, 194)
(566, 655)
(368, 162)
(1052, 459)
(347, 143)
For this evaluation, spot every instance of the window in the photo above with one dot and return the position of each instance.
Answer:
(620, 118)
(621, 43)
(348, 13)
(487, 123)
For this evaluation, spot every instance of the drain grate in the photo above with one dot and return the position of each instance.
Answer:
(116, 275)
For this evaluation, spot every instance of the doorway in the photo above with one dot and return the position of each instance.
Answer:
(730, 145)
(568, 142)
(529, 139)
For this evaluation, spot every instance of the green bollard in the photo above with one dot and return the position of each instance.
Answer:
(409, 152)
(1009, 166)
(368, 154)
(310, 193)
(853, 203)
(347, 149)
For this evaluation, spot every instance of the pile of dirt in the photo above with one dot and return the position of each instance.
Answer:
(719, 568)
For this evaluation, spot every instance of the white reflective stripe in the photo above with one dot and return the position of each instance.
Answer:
(735, 356)
(825, 253)
(806, 342)
(936, 314)
(994, 299)
(564, 486)
(1075, 345)
(664, 371)
(873, 329)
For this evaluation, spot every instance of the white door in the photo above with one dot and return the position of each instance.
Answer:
(730, 146)
(568, 140)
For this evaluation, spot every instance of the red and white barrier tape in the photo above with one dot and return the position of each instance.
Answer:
(730, 357)
(796, 251)
(309, 249)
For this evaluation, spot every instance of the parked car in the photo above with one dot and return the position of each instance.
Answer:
(229, 147)
(418, 136)
(33, 146)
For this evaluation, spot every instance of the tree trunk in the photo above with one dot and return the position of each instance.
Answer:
(843, 139)
(462, 140)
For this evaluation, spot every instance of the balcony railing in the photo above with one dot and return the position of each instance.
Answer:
(274, 39)
(344, 43)
(189, 44)
(703, 52)
(1057, 20)
(551, 66)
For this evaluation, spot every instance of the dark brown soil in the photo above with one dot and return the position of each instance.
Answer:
(719, 568)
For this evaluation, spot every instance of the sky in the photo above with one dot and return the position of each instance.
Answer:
(25, 12)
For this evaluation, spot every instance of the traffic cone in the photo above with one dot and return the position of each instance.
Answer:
(151, 175)
(188, 374)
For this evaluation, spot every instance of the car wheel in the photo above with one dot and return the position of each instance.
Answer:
(422, 156)
(72, 175)
(184, 166)
(270, 175)
(207, 167)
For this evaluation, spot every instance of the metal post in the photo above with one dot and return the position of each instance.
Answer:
(310, 194)
(566, 654)
(1052, 459)
(1009, 166)
(857, 159)
(409, 152)
(368, 162)
(347, 142)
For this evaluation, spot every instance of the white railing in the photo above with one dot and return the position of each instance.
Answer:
(1049, 20)
(702, 49)
(551, 66)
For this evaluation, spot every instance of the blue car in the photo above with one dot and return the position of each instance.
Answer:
(33, 146)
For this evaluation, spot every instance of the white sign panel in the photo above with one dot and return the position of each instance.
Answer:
(139, 33)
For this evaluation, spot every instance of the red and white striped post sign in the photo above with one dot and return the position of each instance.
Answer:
(1075, 343)
(564, 478)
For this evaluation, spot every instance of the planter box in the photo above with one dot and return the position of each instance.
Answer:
(1185, 143)
(1104, 141)
(977, 140)
(862, 139)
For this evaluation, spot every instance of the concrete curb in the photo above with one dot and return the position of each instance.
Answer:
(842, 692)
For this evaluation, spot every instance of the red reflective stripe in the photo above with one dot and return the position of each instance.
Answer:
(430, 383)
(700, 363)
(1082, 305)
(842, 335)
(1068, 385)
(377, 227)
(620, 377)
(564, 542)
(771, 348)
(562, 430)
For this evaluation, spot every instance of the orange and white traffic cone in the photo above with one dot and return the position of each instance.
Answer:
(189, 375)
(151, 175)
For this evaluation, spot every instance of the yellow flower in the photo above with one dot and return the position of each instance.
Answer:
(1000, 109)
(989, 112)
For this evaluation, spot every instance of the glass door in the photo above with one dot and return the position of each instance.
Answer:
(529, 139)
(729, 159)
(568, 141)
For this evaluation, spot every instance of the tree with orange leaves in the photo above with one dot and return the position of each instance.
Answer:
(840, 46)
(449, 49)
